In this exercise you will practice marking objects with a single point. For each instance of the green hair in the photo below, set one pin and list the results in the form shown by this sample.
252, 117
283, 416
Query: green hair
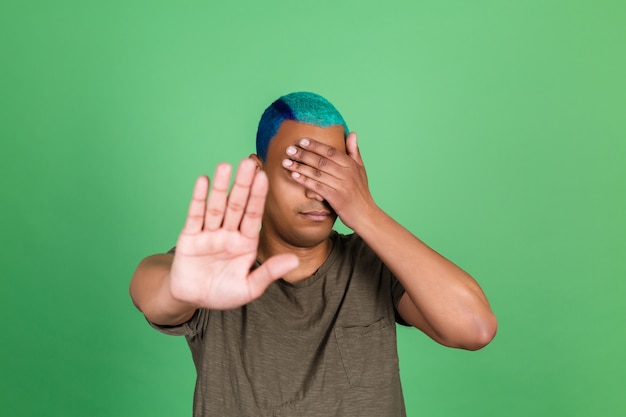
302, 107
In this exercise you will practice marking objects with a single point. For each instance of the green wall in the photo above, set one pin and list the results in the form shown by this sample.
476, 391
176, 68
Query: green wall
494, 130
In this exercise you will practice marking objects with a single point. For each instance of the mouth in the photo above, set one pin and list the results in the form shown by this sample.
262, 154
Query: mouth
317, 215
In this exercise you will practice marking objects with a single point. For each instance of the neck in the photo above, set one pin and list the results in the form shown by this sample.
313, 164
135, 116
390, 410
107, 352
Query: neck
311, 258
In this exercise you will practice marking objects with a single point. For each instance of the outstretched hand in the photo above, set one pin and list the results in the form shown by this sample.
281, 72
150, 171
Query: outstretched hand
217, 247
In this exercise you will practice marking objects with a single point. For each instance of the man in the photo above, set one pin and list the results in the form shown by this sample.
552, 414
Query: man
284, 316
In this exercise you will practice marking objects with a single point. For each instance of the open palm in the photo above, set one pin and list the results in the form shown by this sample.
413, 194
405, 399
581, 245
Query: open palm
217, 247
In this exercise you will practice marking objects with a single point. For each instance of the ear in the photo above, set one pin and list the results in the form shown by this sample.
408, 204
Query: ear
257, 159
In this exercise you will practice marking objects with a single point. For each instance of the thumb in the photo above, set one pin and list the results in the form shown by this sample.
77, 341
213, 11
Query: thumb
269, 271
353, 148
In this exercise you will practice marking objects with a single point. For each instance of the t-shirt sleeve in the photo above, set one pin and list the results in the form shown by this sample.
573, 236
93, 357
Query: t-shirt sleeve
192, 327
397, 291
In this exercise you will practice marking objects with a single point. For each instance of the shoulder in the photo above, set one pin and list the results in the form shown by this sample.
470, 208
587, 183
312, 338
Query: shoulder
347, 241
351, 251
353, 245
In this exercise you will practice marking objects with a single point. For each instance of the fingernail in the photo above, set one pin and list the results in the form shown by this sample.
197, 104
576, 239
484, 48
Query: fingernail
305, 142
287, 162
295, 174
291, 150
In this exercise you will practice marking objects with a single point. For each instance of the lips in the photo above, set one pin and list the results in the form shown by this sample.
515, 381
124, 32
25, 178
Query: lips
317, 215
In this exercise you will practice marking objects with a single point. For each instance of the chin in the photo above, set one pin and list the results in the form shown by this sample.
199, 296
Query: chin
308, 237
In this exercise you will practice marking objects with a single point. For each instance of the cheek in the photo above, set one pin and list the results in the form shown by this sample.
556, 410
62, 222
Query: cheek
282, 184
281, 194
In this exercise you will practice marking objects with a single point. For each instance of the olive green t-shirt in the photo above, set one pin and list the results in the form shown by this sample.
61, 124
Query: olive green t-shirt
322, 347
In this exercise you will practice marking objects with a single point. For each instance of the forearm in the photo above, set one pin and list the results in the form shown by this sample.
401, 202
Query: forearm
150, 292
446, 300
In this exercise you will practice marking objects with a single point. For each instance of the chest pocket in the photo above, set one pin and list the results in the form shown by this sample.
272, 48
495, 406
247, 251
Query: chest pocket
368, 354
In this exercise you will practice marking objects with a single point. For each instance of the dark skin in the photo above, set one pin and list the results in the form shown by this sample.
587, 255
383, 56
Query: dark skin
310, 176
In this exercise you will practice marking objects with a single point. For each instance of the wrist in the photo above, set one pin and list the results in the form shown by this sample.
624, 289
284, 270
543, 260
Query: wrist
367, 218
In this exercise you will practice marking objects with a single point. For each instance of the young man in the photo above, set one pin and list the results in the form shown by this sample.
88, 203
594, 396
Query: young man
284, 316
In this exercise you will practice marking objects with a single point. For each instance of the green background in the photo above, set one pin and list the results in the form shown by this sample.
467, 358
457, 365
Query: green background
494, 130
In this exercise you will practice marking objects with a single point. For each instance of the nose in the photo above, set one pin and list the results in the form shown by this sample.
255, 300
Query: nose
313, 195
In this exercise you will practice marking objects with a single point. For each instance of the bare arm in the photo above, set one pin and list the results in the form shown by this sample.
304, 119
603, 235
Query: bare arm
441, 299
150, 291
215, 252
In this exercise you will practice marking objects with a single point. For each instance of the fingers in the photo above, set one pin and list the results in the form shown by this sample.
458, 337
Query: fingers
352, 148
317, 155
216, 205
324, 160
320, 167
251, 222
238, 198
195, 215
314, 180
269, 271
310, 168
243, 207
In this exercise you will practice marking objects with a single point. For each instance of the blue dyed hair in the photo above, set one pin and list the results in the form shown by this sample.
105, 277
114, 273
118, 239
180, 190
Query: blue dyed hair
302, 107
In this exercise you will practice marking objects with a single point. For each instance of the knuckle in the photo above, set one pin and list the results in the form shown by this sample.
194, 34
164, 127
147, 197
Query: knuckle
331, 151
235, 206
254, 214
213, 211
